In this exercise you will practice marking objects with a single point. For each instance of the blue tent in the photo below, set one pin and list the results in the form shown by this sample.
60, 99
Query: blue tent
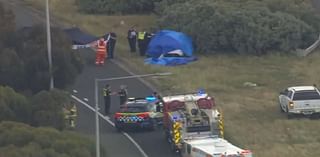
170, 48
165, 41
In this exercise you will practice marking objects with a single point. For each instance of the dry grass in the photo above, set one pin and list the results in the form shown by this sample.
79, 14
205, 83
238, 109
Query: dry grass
252, 115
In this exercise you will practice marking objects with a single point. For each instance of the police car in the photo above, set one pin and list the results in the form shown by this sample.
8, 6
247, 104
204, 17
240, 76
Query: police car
142, 113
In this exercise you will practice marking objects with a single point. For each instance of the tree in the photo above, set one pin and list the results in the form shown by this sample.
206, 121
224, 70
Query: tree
13, 106
17, 139
47, 108
7, 22
244, 26
32, 51
11, 69
117, 6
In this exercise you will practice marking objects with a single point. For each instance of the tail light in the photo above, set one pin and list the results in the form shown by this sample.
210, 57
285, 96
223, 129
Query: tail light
246, 153
143, 115
291, 105
117, 115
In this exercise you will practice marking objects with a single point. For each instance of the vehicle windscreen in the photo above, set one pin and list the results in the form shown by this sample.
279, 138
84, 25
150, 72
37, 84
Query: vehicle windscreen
134, 108
306, 95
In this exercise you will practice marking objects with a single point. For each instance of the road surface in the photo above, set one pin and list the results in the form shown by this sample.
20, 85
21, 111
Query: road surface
115, 144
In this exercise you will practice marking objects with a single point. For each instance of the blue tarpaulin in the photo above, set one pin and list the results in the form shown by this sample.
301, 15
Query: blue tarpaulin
78, 37
170, 48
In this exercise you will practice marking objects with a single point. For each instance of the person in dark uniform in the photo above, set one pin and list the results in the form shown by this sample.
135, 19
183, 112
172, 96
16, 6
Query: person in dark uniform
159, 101
112, 39
107, 98
123, 94
147, 39
132, 39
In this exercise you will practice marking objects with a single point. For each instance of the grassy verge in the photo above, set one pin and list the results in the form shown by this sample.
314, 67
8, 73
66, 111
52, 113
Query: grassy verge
252, 115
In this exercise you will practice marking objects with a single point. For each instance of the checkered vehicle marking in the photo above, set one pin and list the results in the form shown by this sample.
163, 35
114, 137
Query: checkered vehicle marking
130, 119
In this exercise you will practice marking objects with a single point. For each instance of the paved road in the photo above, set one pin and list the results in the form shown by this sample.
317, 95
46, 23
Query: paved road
116, 144
316, 5
153, 143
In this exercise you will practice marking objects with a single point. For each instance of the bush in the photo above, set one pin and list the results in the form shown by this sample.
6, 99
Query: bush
18, 140
13, 106
42, 109
47, 108
243, 27
116, 6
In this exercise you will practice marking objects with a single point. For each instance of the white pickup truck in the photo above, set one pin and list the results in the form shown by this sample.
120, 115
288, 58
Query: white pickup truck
300, 100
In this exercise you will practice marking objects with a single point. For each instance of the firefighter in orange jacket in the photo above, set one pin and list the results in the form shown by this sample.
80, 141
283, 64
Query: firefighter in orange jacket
101, 51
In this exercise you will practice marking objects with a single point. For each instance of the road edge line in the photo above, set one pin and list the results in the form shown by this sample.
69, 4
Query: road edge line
107, 118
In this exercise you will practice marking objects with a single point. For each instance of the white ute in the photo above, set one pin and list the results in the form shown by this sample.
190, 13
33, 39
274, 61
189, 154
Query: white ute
300, 100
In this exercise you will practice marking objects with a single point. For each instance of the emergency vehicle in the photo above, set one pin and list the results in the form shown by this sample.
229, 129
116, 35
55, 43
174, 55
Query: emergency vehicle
194, 127
138, 113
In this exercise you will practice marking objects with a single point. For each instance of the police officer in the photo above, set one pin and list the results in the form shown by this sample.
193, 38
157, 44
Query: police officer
132, 39
159, 101
112, 39
123, 94
107, 98
142, 42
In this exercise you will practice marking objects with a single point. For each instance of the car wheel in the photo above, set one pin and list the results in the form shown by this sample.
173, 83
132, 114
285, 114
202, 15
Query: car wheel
119, 129
290, 115
153, 125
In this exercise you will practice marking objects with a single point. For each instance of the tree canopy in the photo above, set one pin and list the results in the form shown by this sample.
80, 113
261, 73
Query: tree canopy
24, 62
245, 26
117, 6
41, 109
17, 140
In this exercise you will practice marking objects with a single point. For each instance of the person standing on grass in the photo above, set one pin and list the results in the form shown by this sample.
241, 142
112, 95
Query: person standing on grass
132, 39
142, 42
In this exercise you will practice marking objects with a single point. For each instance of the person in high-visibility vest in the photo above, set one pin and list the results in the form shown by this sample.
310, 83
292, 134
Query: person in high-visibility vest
142, 42
70, 114
101, 51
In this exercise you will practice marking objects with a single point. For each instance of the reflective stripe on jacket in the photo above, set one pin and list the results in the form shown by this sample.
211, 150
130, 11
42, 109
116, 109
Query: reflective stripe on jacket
101, 47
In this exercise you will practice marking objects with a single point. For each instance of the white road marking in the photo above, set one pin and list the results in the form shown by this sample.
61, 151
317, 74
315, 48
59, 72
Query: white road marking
107, 118
74, 91
86, 99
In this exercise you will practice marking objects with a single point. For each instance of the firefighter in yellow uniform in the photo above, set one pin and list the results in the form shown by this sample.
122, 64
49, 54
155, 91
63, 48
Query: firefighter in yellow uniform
70, 115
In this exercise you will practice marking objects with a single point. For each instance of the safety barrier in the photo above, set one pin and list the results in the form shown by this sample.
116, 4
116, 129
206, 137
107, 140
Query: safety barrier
221, 124
308, 50
177, 132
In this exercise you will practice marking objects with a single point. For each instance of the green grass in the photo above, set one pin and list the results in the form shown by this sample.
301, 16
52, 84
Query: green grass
252, 115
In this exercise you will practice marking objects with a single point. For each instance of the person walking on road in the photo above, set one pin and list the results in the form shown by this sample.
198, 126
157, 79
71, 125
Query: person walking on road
107, 98
132, 39
123, 94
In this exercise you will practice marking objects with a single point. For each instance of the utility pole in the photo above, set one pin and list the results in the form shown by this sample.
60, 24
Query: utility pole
49, 45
